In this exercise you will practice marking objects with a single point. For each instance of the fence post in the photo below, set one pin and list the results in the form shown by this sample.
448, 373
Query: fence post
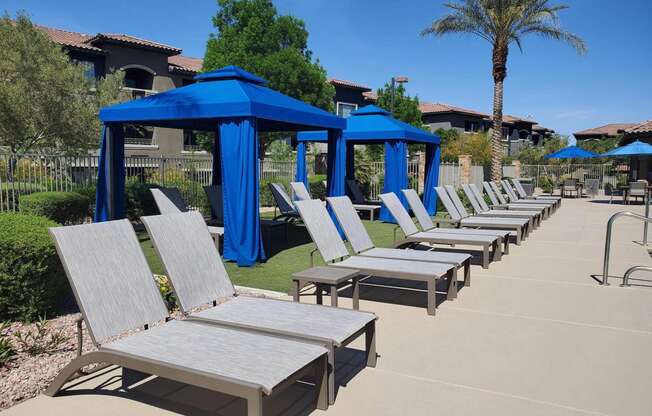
517, 168
464, 162
161, 169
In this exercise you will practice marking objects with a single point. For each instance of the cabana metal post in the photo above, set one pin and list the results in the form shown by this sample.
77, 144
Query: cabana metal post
373, 125
234, 104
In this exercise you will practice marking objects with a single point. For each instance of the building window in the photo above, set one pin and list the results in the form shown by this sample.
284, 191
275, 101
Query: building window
471, 126
345, 109
190, 141
506, 133
89, 70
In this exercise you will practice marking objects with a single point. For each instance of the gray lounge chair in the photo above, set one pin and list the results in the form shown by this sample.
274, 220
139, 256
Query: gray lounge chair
458, 213
302, 193
115, 291
637, 190
362, 245
332, 248
170, 201
359, 201
569, 187
514, 198
482, 209
501, 203
284, 203
490, 244
198, 278
523, 195
427, 224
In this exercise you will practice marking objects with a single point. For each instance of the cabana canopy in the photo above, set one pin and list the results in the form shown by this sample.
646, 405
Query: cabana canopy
374, 125
571, 152
234, 104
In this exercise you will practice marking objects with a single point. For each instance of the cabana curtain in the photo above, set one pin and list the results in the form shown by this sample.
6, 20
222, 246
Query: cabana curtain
395, 174
242, 239
109, 197
431, 179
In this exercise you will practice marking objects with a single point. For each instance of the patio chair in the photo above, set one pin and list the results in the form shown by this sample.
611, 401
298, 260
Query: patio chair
637, 190
362, 245
283, 203
115, 291
494, 203
170, 201
331, 248
199, 278
482, 209
514, 199
592, 187
359, 201
458, 213
429, 224
523, 195
489, 244
569, 186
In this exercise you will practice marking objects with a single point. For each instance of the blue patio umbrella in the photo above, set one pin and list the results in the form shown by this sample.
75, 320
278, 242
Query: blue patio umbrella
636, 148
571, 152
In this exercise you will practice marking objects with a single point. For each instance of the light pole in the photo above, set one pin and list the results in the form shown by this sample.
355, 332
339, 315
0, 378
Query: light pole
396, 80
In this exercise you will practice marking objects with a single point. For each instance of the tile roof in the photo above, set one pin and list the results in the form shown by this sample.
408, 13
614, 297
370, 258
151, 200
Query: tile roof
348, 84
132, 40
70, 39
607, 130
514, 119
435, 108
644, 127
370, 96
185, 64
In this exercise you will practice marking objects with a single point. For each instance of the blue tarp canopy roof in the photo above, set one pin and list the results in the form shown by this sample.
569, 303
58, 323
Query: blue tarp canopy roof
230, 92
633, 149
571, 152
373, 124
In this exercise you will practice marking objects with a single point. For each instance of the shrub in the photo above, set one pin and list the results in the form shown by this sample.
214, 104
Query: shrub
62, 207
32, 281
41, 339
266, 198
546, 184
7, 350
139, 200
317, 188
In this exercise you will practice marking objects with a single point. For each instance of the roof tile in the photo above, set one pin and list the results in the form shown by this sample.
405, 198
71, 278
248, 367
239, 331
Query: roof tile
607, 129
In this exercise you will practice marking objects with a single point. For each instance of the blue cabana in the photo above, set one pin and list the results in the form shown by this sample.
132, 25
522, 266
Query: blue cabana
234, 104
373, 125
571, 152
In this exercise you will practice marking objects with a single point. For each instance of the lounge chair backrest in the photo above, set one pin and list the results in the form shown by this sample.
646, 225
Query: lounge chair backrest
448, 203
498, 193
400, 214
519, 188
509, 191
283, 201
452, 194
479, 197
351, 223
471, 197
637, 188
356, 193
110, 277
214, 195
300, 191
592, 186
418, 209
168, 200
190, 258
322, 229
490, 192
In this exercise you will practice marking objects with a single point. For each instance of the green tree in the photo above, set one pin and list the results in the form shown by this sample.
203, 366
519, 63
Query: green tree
46, 102
280, 151
600, 145
534, 155
501, 23
477, 145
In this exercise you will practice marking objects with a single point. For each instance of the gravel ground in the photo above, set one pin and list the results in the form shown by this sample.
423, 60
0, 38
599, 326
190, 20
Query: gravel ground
26, 376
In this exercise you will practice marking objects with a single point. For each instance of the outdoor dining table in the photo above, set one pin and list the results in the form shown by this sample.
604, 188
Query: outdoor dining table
625, 189
579, 187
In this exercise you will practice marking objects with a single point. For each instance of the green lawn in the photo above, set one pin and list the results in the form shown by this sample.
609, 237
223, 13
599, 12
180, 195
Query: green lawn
287, 256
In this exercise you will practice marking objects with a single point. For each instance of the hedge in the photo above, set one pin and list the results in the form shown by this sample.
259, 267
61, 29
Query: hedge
139, 199
62, 207
32, 280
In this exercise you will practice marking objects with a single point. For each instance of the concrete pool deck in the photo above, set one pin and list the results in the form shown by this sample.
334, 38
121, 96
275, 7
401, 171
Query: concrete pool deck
535, 334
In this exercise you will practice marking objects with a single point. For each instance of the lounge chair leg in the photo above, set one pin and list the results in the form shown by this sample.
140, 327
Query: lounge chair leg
71, 369
321, 383
356, 293
432, 297
497, 250
506, 245
467, 273
370, 341
485, 257
330, 370
295, 290
519, 233
320, 298
451, 276
334, 295
255, 404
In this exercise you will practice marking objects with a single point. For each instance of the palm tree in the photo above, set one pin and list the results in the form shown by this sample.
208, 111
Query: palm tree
503, 22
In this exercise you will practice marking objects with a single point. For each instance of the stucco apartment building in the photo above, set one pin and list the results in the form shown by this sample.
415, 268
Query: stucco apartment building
150, 67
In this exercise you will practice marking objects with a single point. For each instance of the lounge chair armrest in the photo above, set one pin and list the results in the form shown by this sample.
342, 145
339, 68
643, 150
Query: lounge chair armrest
445, 221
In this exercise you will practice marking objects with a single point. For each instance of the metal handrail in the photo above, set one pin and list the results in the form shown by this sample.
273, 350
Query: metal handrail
607, 243
632, 270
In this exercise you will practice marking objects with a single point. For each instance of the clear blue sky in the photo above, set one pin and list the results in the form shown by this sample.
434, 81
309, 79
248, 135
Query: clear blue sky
368, 41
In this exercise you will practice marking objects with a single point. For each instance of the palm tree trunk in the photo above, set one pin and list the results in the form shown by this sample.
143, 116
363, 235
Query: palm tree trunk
497, 133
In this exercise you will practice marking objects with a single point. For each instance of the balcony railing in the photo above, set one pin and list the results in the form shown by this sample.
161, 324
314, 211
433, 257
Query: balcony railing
139, 141
133, 93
